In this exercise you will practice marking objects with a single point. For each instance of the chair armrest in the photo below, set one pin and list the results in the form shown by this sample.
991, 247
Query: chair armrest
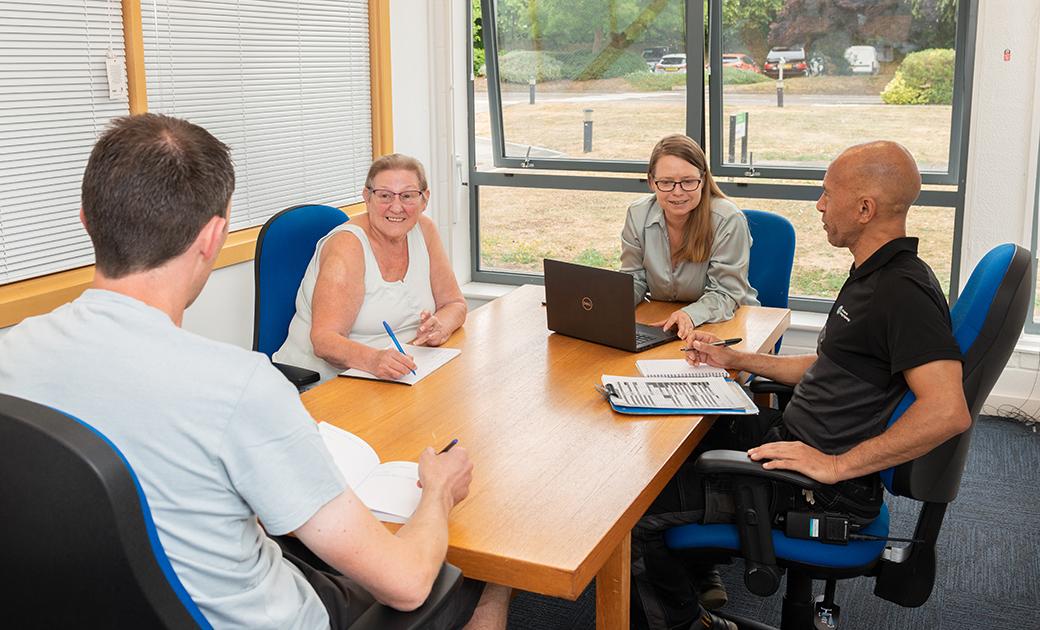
298, 376
738, 463
380, 617
763, 385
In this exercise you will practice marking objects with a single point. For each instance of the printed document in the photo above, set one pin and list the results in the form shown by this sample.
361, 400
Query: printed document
708, 394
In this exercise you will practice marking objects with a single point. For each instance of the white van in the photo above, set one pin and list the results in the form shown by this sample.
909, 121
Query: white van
862, 59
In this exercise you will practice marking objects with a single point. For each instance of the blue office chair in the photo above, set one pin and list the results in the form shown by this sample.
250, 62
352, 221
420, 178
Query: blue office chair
772, 257
987, 320
284, 248
80, 548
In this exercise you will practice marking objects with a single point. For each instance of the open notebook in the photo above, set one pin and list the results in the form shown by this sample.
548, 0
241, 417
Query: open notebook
427, 361
677, 368
388, 489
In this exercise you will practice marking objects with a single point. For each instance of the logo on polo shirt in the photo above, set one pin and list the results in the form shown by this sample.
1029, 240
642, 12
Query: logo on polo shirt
842, 313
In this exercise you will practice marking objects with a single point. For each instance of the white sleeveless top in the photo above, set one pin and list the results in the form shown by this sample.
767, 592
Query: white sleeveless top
398, 303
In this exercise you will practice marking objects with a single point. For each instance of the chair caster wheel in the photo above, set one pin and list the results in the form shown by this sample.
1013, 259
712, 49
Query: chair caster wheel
825, 614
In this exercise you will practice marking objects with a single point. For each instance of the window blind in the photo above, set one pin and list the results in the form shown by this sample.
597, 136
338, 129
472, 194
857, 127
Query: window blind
54, 102
284, 83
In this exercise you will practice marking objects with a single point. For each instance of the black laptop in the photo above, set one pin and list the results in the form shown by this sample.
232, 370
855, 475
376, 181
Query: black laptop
596, 305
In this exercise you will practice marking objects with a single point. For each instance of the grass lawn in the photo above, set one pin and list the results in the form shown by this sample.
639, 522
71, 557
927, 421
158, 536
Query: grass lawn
520, 227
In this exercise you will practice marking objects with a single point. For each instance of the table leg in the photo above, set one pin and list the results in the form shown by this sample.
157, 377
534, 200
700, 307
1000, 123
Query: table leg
613, 585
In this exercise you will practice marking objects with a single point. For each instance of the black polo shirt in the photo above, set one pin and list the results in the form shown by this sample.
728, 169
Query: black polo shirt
889, 316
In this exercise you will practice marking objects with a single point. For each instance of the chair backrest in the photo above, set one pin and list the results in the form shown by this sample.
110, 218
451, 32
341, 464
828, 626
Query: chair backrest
79, 546
284, 248
772, 256
987, 320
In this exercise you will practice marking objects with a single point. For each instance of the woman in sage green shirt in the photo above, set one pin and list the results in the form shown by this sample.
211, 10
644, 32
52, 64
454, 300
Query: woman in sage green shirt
687, 242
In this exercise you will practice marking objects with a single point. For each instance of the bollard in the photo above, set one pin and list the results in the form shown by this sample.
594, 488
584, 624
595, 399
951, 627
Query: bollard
587, 144
780, 83
732, 139
530, 85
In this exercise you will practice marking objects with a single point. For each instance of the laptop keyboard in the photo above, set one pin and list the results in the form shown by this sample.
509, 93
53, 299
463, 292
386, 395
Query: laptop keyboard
642, 338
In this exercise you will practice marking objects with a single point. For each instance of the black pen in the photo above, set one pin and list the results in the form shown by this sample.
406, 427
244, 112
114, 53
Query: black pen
448, 447
721, 342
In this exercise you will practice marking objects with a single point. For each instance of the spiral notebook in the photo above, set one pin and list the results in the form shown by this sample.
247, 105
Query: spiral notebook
677, 368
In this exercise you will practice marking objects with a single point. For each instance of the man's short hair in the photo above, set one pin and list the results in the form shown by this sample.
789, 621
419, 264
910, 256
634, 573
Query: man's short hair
150, 186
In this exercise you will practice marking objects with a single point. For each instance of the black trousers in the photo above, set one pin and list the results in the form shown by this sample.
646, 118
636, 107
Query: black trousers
663, 595
345, 600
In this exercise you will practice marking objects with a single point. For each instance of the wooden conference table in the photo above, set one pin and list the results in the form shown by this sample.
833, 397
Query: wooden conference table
559, 479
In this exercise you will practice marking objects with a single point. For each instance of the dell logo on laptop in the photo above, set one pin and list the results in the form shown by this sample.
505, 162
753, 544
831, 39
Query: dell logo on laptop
586, 303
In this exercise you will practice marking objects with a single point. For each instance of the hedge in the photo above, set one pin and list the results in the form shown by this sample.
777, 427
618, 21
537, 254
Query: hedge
924, 77
518, 66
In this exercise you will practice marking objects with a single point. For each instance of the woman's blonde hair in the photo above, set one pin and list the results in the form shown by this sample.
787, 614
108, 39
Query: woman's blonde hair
697, 233
397, 162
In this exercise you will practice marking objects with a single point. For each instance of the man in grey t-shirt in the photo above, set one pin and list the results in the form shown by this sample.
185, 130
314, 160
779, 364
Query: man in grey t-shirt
219, 440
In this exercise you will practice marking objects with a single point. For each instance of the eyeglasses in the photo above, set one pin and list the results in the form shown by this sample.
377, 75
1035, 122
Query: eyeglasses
407, 197
668, 185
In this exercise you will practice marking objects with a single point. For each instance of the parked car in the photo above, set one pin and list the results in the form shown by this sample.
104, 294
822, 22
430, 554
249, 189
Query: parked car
652, 55
671, 63
862, 59
739, 61
794, 61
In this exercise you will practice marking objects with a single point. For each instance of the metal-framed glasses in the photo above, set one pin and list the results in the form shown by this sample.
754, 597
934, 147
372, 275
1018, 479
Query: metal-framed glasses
668, 185
407, 197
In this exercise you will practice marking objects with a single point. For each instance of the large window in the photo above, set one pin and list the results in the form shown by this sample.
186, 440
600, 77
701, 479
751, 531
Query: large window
564, 117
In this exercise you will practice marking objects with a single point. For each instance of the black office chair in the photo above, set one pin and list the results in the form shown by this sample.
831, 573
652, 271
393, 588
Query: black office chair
987, 320
80, 549
284, 248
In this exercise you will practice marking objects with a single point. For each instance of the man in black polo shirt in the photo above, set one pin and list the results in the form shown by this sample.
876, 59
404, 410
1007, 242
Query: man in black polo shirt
888, 330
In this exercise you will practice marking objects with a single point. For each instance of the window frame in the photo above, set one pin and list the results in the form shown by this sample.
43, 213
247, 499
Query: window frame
694, 85
510, 172
962, 81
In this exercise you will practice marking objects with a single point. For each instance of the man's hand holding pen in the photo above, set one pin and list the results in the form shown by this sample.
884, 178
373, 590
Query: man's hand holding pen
704, 347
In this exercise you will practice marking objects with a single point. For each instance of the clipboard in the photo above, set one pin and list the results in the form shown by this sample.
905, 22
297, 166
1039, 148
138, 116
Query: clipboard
737, 400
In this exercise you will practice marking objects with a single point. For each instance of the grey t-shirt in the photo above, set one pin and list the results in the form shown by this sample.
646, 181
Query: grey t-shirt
217, 437
716, 286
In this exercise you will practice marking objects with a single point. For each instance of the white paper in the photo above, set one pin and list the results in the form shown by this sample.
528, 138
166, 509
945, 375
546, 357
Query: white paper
711, 393
354, 456
427, 361
677, 368
389, 490
392, 489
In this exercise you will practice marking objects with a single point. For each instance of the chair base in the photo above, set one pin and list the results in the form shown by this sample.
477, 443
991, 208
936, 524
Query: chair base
801, 609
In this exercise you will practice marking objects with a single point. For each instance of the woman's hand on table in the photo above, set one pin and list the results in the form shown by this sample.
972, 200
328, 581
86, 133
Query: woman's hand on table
390, 364
681, 321
432, 331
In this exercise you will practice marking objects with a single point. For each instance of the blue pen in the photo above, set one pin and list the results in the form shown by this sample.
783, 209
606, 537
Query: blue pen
393, 338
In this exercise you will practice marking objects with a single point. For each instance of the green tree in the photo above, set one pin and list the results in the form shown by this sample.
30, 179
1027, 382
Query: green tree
746, 25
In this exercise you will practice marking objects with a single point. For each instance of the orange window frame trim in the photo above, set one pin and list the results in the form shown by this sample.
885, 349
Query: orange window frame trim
43, 294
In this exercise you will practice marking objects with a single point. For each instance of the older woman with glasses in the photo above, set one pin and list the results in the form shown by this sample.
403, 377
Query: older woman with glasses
386, 265
687, 242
